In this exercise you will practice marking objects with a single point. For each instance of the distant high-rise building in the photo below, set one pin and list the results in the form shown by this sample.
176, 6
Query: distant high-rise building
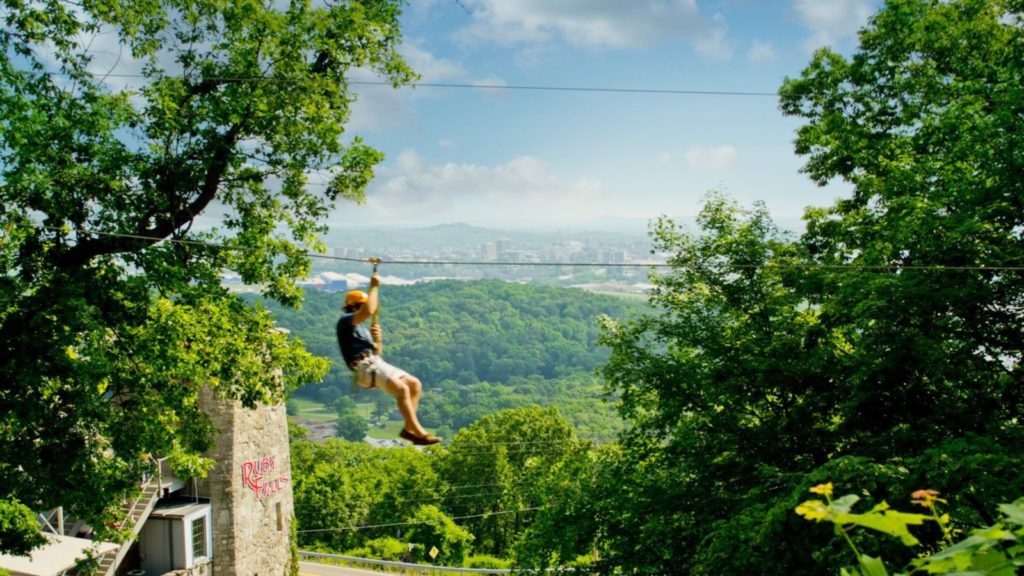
488, 252
334, 282
503, 246
615, 257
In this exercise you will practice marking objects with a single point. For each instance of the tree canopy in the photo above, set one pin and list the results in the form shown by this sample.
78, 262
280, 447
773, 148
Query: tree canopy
880, 350
112, 315
492, 477
479, 347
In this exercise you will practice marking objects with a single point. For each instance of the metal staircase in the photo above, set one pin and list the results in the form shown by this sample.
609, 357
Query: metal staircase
136, 514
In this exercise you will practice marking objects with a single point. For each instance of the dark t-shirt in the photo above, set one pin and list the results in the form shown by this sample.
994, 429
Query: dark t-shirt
353, 340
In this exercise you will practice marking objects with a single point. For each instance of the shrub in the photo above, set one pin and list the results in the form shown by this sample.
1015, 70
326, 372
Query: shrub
489, 562
994, 550
386, 548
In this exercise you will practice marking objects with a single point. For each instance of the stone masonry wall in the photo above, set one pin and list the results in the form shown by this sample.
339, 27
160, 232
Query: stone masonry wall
249, 488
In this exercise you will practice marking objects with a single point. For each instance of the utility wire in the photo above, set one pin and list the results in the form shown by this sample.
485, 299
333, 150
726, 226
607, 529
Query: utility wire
459, 85
535, 451
369, 526
454, 490
550, 88
444, 497
460, 487
765, 266
560, 441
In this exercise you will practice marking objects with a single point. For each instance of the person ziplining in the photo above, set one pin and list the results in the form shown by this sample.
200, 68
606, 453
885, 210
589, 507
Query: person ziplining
362, 349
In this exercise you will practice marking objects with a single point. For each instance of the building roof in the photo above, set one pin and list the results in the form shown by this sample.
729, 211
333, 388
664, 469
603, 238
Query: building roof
58, 555
179, 509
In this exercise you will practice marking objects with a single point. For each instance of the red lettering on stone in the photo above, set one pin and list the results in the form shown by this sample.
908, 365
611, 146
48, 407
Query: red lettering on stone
253, 472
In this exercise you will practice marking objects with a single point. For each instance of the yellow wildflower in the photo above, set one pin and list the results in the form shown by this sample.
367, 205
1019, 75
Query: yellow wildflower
823, 489
813, 510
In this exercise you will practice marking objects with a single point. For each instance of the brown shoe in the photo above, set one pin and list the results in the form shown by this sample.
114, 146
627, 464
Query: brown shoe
417, 439
427, 440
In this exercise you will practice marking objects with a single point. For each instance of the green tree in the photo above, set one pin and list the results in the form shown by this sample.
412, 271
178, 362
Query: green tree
111, 311
583, 494
433, 528
881, 349
351, 425
554, 332
503, 461
924, 122
722, 391
19, 530
296, 431
339, 485
478, 331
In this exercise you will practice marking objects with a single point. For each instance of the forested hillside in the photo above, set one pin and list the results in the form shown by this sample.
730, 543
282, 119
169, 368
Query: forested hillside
478, 347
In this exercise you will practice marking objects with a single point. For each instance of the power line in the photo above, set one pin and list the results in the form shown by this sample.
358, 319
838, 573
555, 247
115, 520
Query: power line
444, 497
457, 85
536, 451
454, 490
460, 487
557, 441
369, 526
731, 266
550, 88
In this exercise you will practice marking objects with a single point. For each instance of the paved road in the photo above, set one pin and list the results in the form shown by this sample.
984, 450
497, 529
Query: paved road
314, 569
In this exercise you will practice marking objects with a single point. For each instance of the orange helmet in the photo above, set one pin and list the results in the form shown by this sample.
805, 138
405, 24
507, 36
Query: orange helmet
355, 297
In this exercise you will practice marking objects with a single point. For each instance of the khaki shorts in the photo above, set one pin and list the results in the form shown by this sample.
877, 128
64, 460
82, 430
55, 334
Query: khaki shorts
374, 372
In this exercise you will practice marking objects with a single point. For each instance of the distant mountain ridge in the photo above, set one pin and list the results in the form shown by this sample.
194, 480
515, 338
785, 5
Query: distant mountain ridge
466, 236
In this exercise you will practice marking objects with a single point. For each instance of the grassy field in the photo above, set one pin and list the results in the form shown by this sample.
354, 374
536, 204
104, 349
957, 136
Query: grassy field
317, 412
388, 432
312, 410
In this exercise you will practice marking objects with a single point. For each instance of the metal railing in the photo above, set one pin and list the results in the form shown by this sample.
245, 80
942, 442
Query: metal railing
147, 480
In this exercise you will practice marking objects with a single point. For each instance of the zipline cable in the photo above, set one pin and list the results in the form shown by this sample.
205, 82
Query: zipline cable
375, 261
452, 85
766, 266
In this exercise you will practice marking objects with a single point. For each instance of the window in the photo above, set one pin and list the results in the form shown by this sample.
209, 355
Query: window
198, 538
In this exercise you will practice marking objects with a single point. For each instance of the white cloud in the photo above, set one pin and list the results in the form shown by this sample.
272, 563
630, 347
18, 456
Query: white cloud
761, 52
664, 158
714, 159
714, 42
445, 143
380, 107
832, 21
430, 67
521, 190
595, 23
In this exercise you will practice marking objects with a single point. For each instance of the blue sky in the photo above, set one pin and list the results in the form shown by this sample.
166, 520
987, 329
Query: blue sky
509, 158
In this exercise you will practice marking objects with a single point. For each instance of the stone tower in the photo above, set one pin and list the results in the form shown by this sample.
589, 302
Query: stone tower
249, 488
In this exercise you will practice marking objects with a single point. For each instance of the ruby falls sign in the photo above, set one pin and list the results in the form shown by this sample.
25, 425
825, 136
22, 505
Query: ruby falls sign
259, 476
